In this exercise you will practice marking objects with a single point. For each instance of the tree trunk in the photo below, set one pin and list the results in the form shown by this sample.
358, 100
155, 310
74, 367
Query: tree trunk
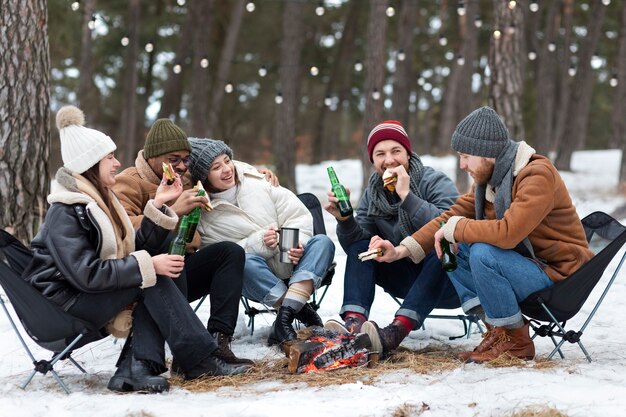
128, 120
546, 84
24, 116
505, 64
374, 77
403, 78
618, 115
200, 76
576, 128
223, 69
287, 111
87, 91
171, 102
326, 141
564, 82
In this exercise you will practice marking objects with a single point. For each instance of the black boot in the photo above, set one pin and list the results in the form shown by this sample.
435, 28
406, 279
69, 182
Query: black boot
282, 330
223, 350
214, 366
308, 316
136, 375
387, 339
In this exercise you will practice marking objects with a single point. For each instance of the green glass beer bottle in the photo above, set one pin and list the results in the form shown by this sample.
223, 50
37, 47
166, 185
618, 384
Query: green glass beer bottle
345, 208
177, 247
448, 259
193, 218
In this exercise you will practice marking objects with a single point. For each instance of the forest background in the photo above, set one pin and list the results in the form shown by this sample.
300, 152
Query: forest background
303, 81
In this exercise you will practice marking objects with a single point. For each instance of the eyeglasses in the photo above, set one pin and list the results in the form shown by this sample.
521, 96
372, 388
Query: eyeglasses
177, 160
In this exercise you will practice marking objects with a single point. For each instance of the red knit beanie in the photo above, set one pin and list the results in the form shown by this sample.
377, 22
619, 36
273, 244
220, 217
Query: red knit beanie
388, 130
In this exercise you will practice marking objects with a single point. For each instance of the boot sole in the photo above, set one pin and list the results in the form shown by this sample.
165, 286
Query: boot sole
335, 326
126, 385
371, 330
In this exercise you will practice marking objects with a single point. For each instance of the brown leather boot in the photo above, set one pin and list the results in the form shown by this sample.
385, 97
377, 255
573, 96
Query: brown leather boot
514, 342
224, 353
489, 337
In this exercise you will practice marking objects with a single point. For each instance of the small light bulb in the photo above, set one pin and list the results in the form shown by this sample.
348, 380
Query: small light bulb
532, 55
460, 59
613, 81
572, 70
606, 3
512, 4
314, 71
250, 6
263, 71
92, 23
376, 94
390, 12
125, 41
460, 8
177, 68
180, 2
204, 63
401, 55
552, 47
328, 101
149, 47
533, 6
279, 98
229, 87
75, 5
319, 10
443, 41
478, 21
358, 66
497, 34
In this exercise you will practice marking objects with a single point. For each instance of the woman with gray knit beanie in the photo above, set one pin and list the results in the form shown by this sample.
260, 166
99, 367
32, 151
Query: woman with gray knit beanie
249, 211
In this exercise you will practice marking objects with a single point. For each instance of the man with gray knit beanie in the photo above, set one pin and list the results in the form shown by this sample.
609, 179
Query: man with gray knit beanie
516, 231
216, 270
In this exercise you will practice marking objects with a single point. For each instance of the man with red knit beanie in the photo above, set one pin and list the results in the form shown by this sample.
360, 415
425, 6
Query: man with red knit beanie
417, 195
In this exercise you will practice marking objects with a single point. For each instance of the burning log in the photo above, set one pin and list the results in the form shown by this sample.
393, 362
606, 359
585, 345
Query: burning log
326, 350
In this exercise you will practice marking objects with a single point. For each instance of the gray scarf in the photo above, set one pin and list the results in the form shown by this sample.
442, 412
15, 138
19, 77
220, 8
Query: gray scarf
386, 203
502, 182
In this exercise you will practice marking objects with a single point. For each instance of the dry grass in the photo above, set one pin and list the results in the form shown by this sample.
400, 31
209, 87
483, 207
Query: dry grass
431, 360
537, 411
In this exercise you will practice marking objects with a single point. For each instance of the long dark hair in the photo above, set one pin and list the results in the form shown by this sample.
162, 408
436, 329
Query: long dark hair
93, 175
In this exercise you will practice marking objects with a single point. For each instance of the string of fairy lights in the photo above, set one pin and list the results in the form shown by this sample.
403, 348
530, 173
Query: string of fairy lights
358, 66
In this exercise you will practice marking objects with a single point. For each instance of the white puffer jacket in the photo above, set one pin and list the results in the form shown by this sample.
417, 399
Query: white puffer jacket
261, 206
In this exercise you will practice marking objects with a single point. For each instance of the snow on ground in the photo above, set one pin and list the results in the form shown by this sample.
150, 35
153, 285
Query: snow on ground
574, 386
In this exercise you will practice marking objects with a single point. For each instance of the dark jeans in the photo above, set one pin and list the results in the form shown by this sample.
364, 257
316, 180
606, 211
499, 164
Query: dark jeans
423, 286
216, 270
162, 315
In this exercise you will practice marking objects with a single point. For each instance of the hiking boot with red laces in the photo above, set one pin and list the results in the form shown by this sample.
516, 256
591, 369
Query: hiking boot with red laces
514, 342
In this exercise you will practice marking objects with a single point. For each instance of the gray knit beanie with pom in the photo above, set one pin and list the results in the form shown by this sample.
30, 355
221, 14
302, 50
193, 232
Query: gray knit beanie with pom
481, 133
203, 153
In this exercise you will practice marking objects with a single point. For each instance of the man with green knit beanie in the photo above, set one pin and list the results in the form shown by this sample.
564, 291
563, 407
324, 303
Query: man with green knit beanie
216, 269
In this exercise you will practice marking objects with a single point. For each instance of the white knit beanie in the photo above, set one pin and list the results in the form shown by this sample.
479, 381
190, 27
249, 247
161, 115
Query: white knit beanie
81, 147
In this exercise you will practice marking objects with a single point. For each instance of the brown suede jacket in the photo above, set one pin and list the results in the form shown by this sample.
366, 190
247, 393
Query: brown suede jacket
136, 185
541, 209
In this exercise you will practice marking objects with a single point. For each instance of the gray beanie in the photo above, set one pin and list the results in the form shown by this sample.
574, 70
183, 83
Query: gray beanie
203, 153
481, 133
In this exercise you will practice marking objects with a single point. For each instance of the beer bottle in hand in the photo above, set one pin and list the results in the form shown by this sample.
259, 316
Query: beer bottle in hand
345, 208
193, 217
177, 247
448, 259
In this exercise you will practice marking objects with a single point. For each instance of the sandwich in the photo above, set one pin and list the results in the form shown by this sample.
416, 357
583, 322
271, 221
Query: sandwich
207, 206
168, 171
370, 254
389, 180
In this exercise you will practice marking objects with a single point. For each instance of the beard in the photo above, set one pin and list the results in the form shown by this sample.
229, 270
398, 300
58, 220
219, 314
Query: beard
483, 173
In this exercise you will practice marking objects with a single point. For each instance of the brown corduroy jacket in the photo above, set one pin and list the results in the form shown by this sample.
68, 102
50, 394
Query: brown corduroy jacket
541, 209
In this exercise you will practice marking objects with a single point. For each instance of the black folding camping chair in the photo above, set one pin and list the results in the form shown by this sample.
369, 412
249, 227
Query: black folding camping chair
43, 320
561, 302
315, 207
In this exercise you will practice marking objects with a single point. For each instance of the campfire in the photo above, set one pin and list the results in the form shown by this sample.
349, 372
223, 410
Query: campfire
318, 349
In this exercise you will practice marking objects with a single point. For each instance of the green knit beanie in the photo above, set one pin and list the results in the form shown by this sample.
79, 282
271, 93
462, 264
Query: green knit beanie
163, 137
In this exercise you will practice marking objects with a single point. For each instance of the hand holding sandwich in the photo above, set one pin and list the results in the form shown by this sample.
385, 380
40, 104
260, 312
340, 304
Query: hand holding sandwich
390, 253
398, 180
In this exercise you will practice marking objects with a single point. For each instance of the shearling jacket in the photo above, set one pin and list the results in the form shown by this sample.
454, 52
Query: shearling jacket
259, 207
438, 194
541, 209
76, 251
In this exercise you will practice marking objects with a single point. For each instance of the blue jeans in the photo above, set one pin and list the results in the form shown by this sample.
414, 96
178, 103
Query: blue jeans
423, 286
498, 279
261, 284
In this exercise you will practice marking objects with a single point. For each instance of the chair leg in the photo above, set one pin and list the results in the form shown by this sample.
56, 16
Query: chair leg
80, 368
195, 309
